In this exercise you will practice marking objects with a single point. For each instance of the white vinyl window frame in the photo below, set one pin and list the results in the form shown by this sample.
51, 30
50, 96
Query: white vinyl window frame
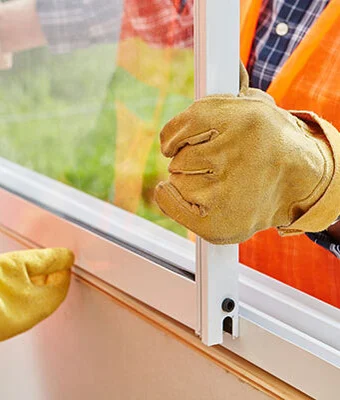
286, 332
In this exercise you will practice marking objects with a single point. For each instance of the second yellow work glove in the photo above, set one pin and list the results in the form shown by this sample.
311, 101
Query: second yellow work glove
241, 165
33, 284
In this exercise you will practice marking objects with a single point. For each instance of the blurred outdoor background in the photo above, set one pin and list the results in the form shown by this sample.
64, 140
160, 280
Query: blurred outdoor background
59, 116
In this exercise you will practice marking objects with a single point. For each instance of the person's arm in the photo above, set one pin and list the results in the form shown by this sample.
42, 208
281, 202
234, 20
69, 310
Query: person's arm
20, 28
63, 25
334, 231
71, 25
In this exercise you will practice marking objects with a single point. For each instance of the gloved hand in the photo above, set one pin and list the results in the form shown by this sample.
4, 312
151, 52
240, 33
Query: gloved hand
33, 284
241, 164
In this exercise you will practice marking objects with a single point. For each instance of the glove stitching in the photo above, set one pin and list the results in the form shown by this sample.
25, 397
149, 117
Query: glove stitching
192, 208
186, 141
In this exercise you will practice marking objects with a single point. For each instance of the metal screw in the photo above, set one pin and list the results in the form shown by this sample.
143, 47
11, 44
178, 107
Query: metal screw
228, 305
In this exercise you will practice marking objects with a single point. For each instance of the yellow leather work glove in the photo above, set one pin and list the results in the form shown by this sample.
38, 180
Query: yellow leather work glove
240, 164
33, 284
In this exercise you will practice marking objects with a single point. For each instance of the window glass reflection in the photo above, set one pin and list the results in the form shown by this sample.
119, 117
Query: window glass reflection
86, 87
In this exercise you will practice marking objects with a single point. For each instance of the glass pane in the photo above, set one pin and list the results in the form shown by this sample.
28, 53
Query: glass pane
296, 261
92, 84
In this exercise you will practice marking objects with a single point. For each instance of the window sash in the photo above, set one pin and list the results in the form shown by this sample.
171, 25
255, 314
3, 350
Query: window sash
272, 315
263, 299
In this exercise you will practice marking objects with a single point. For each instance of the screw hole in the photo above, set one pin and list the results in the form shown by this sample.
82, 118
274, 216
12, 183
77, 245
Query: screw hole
228, 305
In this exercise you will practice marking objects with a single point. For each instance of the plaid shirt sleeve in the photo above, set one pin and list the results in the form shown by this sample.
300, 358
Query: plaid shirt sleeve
74, 24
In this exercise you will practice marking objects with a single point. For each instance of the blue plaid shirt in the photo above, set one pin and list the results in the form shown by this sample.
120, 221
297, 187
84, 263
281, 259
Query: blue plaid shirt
272, 45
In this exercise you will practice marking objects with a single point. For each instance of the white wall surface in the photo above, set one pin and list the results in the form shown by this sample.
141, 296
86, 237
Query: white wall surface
93, 348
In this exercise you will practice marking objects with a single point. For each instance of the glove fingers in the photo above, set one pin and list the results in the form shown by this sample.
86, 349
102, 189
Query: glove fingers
258, 94
244, 79
43, 302
33, 285
251, 92
203, 122
52, 279
44, 261
191, 127
47, 296
23, 307
52, 294
172, 203
192, 161
171, 143
194, 189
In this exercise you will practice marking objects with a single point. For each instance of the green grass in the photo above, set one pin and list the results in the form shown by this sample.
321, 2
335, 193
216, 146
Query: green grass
57, 118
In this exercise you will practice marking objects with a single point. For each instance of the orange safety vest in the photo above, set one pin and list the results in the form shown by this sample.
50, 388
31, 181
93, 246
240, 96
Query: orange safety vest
309, 80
